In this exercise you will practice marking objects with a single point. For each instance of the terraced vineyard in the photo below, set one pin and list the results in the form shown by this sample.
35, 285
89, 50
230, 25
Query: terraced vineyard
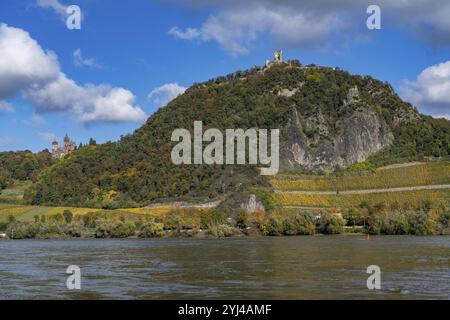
414, 198
431, 173
352, 190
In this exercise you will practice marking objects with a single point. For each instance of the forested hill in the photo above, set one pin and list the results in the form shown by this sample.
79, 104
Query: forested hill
335, 119
22, 165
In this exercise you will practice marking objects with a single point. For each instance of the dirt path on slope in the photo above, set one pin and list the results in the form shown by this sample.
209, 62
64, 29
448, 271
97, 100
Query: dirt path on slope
400, 165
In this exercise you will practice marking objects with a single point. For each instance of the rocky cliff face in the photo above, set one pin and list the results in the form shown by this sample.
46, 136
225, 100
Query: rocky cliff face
313, 144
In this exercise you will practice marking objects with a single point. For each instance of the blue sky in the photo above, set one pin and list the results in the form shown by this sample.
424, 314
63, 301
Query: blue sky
126, 51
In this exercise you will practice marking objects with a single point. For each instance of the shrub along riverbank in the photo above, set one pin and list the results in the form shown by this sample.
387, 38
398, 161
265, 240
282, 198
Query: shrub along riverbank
378, 219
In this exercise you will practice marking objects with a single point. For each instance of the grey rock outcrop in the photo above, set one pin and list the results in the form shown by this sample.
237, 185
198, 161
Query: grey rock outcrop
352, 96
312, 144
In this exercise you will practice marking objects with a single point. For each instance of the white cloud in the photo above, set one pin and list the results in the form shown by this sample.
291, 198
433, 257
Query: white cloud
47, 136
236, 30
88, 103
61, 94
26, 67
55, 5
188, 34
6, 107
80, 61
235, 24
23, 62
114, 105
431, 90
162, 95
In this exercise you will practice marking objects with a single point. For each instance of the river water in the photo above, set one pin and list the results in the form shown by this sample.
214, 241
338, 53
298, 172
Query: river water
308, 267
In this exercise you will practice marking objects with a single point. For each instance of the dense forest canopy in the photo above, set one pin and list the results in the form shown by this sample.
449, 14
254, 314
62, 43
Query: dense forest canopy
22, 165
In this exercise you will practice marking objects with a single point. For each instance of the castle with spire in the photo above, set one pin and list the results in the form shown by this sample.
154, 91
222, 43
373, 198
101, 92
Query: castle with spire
68, 147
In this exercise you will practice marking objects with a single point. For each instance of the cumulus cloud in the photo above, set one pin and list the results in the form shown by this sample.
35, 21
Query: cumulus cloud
80, 61
26, 67
6, 107
113, 105
431, 90
236, 30
235, 25
162, 95
23, 62
88, 103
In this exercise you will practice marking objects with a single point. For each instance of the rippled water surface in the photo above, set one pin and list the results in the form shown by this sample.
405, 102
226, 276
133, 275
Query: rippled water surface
319, 267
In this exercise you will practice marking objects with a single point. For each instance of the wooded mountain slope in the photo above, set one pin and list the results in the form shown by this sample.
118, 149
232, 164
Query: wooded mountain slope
327, 119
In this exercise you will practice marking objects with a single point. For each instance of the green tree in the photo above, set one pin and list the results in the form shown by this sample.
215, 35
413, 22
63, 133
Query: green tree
68, 216
3, 182
242, 219
151, 230
421, 223
11, 219
92, 142
331, 223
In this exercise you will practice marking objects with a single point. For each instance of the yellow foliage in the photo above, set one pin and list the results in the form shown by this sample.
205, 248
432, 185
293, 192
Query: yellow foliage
6, 211
417, 175
350, 200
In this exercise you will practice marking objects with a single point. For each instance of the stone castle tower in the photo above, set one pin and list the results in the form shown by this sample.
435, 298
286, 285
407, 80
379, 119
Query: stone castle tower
278, 56
54, 146
68, 147
277, 59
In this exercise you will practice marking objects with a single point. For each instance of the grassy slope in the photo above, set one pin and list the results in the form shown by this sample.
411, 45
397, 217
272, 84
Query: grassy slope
27, 213
15, 193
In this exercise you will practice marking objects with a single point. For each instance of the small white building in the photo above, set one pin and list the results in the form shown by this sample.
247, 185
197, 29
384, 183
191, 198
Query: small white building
3, 235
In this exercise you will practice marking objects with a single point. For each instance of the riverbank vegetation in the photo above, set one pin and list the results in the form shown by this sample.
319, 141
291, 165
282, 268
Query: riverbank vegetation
425, 219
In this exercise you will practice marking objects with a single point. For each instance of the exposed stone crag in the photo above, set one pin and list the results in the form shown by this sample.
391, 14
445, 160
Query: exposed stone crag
312, 144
